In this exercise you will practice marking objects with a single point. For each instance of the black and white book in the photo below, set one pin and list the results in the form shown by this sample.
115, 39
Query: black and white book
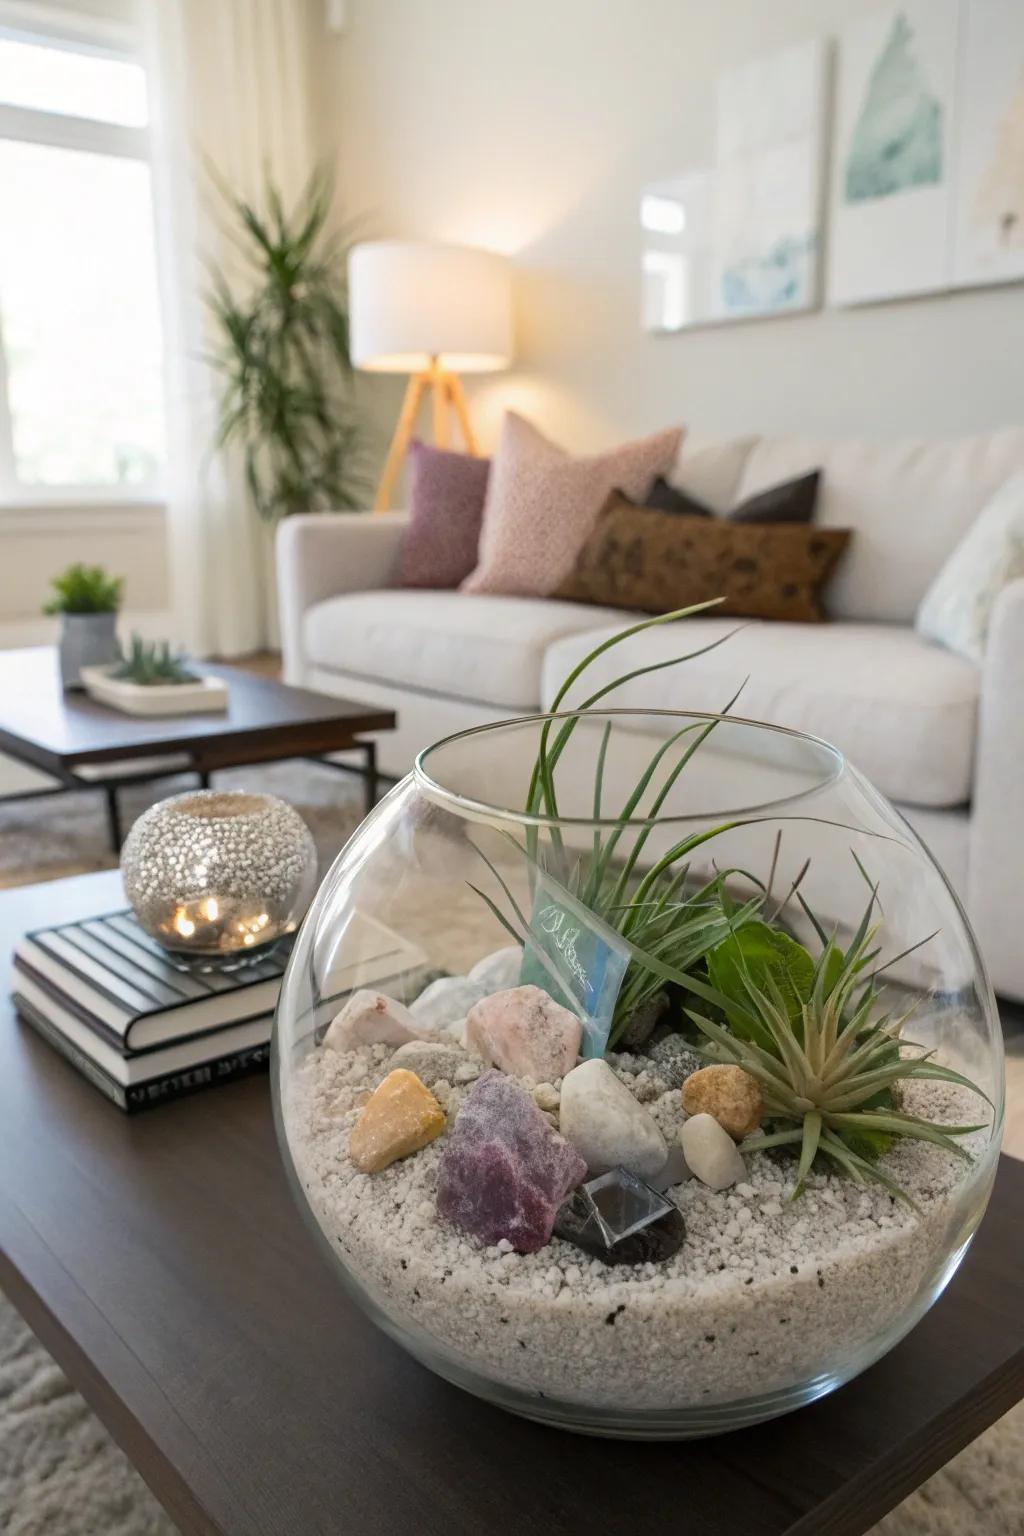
125, 1074
106, 996
171, 1081
121, 984
118, 982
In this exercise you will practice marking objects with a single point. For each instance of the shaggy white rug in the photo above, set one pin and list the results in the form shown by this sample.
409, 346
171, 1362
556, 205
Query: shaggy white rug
62, 1475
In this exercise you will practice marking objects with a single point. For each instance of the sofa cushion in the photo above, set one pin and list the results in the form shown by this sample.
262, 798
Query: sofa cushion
542, 502
902, 711
488, 649
909, 503
659, 562
711, 470
446, 509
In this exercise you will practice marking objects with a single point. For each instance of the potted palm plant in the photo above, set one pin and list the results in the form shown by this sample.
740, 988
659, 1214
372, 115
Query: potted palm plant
283, 359
87, 598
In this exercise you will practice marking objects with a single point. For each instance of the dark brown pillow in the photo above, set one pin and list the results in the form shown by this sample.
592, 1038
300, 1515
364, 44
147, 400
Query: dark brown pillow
654, 561
792, 501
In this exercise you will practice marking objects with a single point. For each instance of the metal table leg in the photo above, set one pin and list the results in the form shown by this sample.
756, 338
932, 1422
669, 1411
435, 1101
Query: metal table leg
370, 776
113, 816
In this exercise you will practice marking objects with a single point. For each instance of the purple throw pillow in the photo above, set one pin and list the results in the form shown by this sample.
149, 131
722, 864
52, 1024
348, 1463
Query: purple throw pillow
446, 505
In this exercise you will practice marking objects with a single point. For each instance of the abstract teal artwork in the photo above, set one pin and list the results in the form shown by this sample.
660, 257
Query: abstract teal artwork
897, 141
781, 278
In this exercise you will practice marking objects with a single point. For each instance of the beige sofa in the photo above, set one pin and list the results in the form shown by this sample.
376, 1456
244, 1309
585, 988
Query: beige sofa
942, 737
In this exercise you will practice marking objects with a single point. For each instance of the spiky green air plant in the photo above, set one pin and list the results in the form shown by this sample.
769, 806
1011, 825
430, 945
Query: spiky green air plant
828, 1062
152, 665
666, 924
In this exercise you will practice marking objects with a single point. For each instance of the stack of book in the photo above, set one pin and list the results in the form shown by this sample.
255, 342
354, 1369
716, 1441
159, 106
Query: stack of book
109, 999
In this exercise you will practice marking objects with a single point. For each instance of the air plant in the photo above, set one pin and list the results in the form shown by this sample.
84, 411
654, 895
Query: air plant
666, 924
828, 1057
152, 665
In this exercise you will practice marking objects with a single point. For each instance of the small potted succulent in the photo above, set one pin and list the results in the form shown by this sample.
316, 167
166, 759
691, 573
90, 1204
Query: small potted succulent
87, 599
151, 679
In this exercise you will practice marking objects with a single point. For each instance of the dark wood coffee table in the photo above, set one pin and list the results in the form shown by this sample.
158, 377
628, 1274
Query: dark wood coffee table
85, 745
162, 1261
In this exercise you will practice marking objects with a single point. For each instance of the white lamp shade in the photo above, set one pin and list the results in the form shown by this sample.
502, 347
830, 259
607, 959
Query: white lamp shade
412, 303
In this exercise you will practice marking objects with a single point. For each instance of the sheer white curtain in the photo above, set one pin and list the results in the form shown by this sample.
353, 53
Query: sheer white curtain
230, 89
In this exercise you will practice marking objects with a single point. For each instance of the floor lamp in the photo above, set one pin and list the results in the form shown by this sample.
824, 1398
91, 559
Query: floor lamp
433, 312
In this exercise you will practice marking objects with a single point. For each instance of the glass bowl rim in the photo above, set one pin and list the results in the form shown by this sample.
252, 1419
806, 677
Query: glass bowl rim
463, 803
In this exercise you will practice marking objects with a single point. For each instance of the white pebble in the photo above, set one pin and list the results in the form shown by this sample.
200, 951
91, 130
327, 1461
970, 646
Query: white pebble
711, 1153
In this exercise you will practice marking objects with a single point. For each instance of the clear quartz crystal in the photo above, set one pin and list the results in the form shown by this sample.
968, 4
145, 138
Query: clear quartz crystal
621, 1204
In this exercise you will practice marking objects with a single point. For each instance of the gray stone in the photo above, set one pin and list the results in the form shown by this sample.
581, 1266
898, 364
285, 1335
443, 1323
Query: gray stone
430, 1060
605, 1123
711, 1152
444, 1001
497, 972
642, 1020
675, 1170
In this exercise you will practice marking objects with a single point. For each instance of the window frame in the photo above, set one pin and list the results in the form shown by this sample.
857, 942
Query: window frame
71, 32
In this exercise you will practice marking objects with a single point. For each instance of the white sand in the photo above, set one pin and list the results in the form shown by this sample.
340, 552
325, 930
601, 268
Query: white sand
765, 1292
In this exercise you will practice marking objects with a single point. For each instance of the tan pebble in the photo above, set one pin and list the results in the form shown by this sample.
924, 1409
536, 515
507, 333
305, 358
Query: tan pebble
400, 1118
545, 1096
727, 1093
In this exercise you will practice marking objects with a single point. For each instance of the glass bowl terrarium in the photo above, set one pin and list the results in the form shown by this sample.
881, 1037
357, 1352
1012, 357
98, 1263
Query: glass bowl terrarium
639, 1070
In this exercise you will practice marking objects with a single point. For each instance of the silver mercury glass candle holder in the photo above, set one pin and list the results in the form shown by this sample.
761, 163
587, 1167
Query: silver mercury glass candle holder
219, 876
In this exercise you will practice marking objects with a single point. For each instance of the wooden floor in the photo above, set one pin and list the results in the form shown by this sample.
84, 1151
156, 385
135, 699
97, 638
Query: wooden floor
265, 663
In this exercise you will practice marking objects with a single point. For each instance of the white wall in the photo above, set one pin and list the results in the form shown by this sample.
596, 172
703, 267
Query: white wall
38, 542
530, 126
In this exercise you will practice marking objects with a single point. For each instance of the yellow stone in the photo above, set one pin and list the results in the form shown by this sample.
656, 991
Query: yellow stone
728, 1093
400, 1118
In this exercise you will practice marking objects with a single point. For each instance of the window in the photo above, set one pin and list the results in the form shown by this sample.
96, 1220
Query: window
81, 409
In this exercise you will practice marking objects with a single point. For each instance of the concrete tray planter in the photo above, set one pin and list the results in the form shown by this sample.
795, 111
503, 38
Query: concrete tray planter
209, 693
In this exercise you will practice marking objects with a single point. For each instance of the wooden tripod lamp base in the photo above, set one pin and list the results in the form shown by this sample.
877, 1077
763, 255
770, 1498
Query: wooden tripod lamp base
431, 311
447, 396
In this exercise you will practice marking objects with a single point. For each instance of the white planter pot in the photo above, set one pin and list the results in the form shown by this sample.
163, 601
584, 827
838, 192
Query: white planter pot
86, 640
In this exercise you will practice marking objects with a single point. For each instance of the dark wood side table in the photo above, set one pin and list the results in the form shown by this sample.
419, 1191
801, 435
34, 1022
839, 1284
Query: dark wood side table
85, 745
162, 1261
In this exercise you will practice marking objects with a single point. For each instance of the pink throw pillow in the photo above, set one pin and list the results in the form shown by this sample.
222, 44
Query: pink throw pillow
446, 504
542, 505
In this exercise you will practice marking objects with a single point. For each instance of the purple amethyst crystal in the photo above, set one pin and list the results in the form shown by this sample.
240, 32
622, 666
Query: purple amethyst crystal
504, 1172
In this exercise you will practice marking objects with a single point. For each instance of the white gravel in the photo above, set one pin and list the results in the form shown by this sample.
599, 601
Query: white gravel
765, 1292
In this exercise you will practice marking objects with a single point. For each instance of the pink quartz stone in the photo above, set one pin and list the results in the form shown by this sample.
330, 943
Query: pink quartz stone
525, 1032
371, 1018
504, 1172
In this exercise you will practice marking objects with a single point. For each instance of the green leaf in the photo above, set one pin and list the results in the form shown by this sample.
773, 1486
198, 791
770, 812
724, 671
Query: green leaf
748, 958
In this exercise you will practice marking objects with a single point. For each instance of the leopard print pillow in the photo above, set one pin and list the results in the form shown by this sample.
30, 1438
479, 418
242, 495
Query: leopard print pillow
653, 561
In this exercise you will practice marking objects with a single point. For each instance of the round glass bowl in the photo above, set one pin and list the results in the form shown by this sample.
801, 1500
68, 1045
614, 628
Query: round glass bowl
770, 1301
217, 876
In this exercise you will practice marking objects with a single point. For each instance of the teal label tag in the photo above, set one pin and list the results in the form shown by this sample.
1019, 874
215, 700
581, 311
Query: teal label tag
576, 958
